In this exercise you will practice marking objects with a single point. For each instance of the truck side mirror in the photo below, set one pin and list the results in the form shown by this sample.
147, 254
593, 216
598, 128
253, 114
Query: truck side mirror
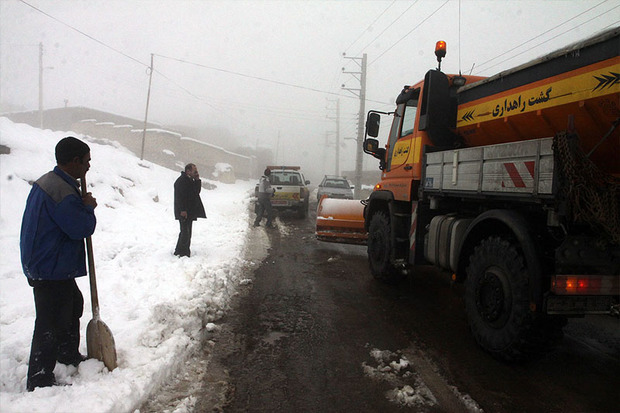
371, 145
372, 124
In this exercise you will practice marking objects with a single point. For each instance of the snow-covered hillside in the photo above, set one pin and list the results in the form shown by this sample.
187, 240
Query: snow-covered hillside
154, 302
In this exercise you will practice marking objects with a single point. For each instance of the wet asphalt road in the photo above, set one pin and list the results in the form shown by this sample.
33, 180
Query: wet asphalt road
299, 339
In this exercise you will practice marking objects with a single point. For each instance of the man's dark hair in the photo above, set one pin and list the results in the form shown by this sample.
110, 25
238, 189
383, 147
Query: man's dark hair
189, 167
267, 172
68, 148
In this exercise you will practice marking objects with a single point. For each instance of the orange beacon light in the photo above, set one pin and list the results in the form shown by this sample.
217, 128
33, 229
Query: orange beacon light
440, 52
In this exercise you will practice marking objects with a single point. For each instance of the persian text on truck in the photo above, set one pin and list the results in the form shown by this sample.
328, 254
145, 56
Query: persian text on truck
511, 183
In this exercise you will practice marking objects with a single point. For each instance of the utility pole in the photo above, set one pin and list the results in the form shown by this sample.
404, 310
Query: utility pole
361, 61
325, 150
40, 85
146, 114
41, 68
337, 119
338, 137
278, 147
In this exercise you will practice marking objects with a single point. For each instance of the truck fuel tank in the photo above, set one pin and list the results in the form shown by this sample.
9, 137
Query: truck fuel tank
444, 237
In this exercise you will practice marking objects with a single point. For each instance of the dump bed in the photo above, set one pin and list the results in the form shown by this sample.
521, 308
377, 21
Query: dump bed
511, 169
576, 86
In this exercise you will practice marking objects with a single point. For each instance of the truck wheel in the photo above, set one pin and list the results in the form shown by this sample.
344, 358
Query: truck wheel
497, 304
379, 247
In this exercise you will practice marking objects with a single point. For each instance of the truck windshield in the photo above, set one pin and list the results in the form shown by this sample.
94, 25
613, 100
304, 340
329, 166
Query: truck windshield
407, 111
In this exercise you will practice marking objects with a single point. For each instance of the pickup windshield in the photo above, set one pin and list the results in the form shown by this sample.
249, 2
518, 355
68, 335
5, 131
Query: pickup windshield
285, 178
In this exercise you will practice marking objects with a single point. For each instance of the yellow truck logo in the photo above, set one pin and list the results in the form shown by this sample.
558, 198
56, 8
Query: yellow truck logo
567, 89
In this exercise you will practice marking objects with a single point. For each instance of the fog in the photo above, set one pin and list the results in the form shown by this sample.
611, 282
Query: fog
267, 74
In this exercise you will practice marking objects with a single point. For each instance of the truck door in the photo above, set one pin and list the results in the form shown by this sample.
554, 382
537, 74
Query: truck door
400, 149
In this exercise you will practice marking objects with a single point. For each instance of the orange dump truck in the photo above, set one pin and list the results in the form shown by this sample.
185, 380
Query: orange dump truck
509, 183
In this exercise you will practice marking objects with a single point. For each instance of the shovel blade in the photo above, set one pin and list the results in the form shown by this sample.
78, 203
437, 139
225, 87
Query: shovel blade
100, 343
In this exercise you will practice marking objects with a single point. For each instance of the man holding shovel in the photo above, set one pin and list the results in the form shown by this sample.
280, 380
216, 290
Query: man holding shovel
56, 221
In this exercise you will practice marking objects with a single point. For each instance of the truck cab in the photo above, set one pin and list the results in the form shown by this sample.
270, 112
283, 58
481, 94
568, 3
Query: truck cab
424, 117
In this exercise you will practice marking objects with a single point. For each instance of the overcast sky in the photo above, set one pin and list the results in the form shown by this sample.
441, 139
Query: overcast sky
264, 69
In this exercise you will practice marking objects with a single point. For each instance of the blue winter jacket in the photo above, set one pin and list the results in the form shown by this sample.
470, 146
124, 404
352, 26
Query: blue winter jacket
56, 222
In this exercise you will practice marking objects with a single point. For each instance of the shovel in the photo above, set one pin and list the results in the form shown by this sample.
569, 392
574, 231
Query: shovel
99, 339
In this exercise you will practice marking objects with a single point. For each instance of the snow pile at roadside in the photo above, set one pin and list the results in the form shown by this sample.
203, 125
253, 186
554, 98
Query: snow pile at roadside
396, 370
406, 377
155, 304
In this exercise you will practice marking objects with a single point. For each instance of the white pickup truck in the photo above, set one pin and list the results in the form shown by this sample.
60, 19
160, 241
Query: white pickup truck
291, 189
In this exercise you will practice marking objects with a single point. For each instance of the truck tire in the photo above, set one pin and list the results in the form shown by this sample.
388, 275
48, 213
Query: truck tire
379, 247
497, 304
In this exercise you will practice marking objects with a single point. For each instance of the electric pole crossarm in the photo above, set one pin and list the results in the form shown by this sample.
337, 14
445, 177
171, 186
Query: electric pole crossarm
353, 91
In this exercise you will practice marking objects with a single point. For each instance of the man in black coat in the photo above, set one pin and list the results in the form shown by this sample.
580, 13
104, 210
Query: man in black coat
187, 206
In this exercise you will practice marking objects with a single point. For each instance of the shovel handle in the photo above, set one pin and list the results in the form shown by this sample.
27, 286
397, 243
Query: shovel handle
91, 264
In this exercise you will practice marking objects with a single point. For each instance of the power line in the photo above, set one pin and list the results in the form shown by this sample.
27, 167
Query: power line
85, 34
541, 34
258, 78
411, 31
111, 48
459, 50
224, 106
370, 25
249, 76
361, 34
182, 88
556, 36
390, 25
180, 60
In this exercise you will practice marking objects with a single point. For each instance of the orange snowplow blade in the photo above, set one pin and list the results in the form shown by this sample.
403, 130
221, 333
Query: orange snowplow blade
340, 220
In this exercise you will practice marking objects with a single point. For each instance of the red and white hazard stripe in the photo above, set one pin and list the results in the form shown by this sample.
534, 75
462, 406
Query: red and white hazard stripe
413, 228
521, 174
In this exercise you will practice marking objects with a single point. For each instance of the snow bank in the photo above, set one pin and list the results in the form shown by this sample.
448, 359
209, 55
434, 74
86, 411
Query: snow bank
156, 304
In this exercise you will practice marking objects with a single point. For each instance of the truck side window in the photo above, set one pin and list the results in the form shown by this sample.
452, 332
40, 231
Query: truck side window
410, 99
409, 118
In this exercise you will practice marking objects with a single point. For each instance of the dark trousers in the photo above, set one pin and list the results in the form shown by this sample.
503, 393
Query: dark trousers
185, 238
264, 205
59, 306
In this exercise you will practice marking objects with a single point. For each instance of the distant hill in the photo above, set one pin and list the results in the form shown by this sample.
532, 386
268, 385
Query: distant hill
163, 146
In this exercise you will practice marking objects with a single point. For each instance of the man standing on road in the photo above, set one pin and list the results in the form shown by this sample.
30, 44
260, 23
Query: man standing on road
265, 192
56, 221
187, 206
